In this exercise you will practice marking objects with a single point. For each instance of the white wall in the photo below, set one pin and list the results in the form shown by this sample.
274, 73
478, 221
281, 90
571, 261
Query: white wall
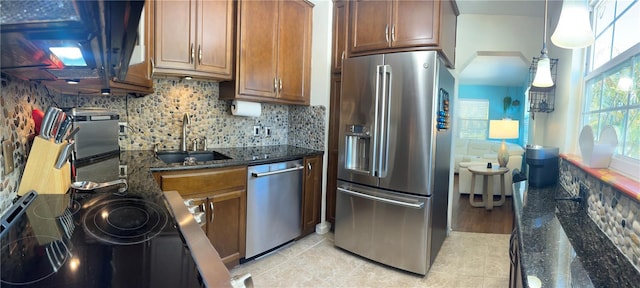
321, 74
560, 128
477, 32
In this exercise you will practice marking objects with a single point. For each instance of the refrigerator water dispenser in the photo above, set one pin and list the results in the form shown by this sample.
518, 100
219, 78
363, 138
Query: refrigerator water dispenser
357, 148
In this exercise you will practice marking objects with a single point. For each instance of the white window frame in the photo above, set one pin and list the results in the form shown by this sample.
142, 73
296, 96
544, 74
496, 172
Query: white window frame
462, 115
620, 163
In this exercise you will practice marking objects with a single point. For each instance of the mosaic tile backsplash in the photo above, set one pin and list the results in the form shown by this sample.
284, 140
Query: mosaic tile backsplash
157, 118
617, 215
17, 100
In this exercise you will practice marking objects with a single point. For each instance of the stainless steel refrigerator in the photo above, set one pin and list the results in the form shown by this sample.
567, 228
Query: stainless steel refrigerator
395, 149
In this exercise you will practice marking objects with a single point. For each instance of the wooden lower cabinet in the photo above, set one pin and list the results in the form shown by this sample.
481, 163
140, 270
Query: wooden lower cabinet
311, 194
332, 165
222, 193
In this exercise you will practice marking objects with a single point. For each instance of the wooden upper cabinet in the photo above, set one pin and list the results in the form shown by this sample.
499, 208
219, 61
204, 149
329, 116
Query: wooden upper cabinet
340, 17
194, 38
138, 79
413, 23
257, 50
273, 53
395, 25
294, 51
369, 25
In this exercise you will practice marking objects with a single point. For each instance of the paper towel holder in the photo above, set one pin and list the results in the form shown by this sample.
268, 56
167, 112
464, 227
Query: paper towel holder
246, 108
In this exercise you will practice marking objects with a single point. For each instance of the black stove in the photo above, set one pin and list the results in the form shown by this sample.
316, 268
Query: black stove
105, 239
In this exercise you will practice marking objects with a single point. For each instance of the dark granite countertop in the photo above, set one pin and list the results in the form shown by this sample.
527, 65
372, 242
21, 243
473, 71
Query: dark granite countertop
141, 163
560, 245
239, 156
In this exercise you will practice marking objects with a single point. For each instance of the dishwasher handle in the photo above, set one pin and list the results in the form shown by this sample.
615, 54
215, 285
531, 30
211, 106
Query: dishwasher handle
254, 174
384, 200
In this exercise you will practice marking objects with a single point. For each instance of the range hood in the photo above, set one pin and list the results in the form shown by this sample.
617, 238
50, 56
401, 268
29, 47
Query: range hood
104, 32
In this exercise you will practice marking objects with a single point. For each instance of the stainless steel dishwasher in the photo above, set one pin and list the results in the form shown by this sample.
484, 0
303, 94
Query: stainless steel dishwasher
274, 196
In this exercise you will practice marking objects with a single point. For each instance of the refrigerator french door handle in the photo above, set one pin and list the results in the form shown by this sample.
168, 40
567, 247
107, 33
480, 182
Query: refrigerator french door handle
383, 145
384, 200
376, 123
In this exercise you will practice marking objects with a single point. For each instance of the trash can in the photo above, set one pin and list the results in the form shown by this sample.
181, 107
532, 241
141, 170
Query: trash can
543, 164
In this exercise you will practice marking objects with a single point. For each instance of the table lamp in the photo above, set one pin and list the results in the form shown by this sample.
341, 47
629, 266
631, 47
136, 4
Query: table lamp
503, 129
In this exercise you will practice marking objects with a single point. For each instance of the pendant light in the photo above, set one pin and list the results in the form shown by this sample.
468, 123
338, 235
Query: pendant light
543, 71
574, 29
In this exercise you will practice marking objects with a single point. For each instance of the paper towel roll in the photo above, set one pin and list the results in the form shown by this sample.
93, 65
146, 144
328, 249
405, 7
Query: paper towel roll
244, 108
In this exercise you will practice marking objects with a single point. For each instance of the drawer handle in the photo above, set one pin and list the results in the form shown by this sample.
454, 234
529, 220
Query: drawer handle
277, 171
384, 200
193, 54
386, 33
211, 207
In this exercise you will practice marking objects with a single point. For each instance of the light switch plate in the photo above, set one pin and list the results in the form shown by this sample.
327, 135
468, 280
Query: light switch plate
7, 154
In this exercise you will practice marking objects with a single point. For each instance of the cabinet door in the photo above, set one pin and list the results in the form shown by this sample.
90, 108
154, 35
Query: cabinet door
312, 194
339, 35
226, 227
414, 23
139, 74
175, 34
257, 53
332, 165
215, 37
294, 51
369, 25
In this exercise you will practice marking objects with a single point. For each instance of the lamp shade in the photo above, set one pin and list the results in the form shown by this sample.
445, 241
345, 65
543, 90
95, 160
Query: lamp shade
574, 29
504, 129
543, 73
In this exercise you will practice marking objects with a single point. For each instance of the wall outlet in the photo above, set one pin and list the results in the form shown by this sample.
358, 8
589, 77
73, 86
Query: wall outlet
7, 154
267, 131
256, 130
123, 171
123, 126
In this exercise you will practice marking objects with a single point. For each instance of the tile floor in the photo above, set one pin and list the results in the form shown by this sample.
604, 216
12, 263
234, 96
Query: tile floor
465, 260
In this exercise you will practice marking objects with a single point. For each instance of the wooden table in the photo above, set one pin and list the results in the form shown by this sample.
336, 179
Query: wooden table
487, 194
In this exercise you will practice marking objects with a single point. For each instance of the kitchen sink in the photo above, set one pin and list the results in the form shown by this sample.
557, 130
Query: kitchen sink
180, 156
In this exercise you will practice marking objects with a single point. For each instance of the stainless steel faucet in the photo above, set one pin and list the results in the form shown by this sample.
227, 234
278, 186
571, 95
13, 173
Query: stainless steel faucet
185, 121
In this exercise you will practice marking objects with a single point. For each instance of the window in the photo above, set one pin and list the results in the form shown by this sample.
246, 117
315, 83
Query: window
612, 83
474, 119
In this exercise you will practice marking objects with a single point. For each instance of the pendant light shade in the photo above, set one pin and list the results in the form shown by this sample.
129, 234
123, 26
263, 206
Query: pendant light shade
543, 70
574, 29
543, 73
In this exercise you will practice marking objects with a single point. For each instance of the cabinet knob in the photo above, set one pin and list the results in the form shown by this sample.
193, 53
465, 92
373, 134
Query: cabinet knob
200, 54
280, 84
275, 85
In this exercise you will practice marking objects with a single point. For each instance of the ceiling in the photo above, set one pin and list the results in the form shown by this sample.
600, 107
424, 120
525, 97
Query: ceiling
533, 8
498, 68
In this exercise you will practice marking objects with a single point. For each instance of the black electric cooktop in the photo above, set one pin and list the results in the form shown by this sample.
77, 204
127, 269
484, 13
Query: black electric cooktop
105, 239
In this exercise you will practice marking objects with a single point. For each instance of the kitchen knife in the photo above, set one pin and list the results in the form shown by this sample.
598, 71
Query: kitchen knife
65, 126
72, 133
47, 121
37, 116
60, 116
64, 155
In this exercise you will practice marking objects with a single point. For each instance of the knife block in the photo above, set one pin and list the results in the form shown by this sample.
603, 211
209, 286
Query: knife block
40, 173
